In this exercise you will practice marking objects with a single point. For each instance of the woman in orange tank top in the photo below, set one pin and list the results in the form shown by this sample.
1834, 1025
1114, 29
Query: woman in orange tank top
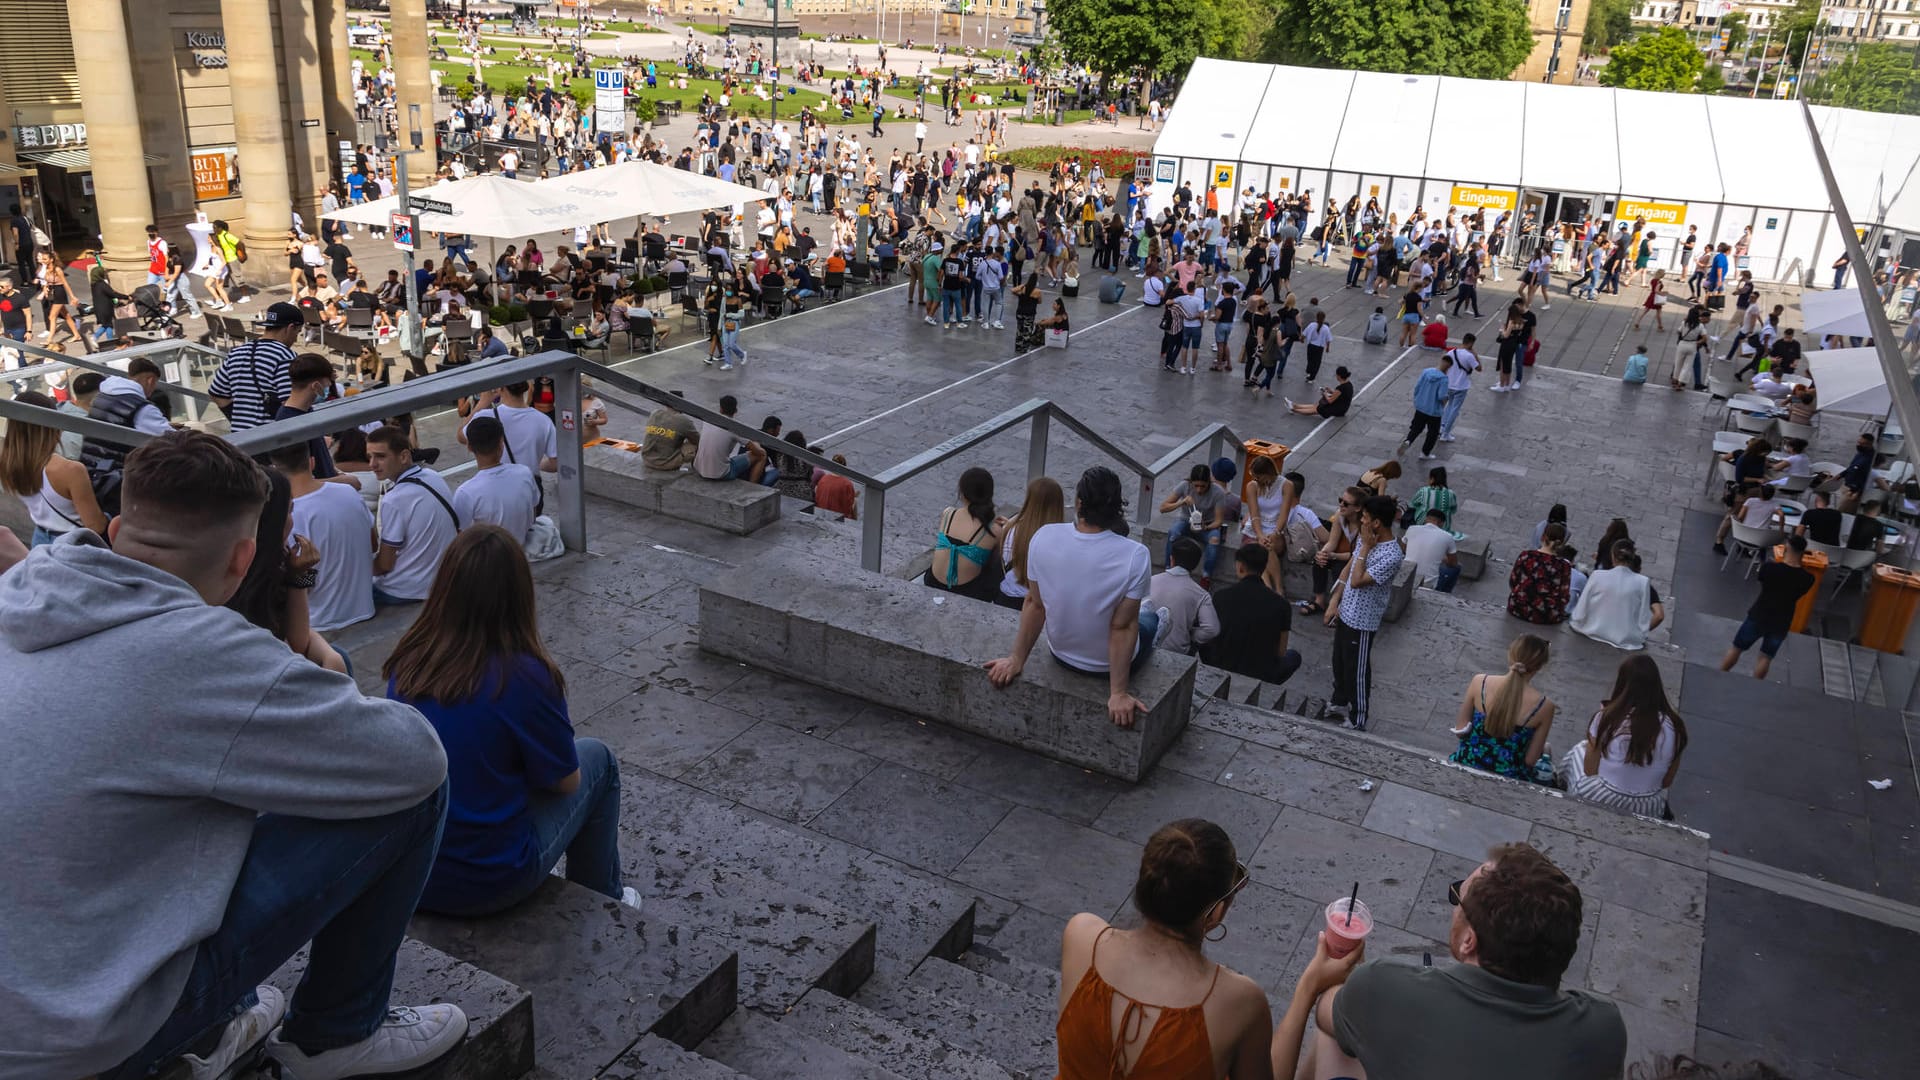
1147, 1004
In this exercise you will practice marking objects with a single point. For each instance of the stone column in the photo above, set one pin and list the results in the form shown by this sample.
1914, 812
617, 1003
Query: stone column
253, 73
302, 48
413, 82
112, 110
336, 70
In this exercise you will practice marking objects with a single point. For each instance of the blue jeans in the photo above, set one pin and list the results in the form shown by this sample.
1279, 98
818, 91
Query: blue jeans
952, 305
1210, 551
993, 305
1456, 400
383, 598
41, 537
349, 887
584, 826
730, 349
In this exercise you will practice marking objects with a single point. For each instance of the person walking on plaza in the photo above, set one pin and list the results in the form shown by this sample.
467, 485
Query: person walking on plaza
1782, 583
1429, 402
1469, 291
1656, 296
1462, 363
1356, 607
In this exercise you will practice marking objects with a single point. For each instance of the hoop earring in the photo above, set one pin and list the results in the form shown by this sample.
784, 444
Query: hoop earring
1222, 927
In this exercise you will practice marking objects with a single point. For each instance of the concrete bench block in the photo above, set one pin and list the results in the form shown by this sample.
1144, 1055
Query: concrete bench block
922, 651
1405, 582
1473, 558
499, 1042
734, 506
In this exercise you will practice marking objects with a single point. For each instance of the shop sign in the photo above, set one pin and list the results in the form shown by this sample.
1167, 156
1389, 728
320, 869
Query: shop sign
1653, 213
210, 176
1223, 176
49, 136
209, 47
1163, 170
1502, 199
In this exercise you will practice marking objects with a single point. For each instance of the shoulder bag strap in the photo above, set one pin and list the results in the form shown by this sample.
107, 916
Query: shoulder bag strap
437, 497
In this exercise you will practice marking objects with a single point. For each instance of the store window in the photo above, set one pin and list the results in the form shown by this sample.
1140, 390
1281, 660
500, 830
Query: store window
216, 172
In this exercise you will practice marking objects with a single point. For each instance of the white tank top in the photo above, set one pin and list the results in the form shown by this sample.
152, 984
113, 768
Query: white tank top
1268, 507
51, 510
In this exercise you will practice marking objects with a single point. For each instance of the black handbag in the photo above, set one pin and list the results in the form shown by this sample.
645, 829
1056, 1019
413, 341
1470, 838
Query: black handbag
1716, 301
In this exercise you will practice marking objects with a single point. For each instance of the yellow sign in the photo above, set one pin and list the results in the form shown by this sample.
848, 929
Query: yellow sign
1653, 213
1484, 198
210, 176
1286, 182
1223, 176
1373, 191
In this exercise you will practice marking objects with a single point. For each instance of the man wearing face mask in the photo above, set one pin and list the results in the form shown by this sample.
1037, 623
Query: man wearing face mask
311, 375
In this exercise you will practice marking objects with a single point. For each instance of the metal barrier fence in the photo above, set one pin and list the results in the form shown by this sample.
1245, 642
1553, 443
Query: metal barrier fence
566, 370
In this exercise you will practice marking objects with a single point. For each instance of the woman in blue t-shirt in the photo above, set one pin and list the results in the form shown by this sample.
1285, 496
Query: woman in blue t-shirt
522, 790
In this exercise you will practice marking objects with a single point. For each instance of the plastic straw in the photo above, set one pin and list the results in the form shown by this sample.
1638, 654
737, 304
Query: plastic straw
1350, 902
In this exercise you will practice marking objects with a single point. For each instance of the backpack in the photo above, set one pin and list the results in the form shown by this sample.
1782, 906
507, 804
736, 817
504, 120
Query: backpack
106, 462
1300, 543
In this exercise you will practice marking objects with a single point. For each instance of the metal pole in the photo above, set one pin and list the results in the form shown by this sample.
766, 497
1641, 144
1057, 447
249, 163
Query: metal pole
1037, 445
410, 342
774, 108
1901, 384
570, 509
873, 515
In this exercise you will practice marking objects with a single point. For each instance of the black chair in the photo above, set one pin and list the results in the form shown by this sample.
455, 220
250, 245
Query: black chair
342, 344
603, 295
690, 309
642, 336
630, 252
676, 284
359, 318
835, 282
458, 336
539, 308
314, 316
889, 266
774, 301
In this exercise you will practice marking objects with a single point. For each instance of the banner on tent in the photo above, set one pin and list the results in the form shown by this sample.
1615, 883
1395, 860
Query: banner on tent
1653, 213
1223, 176
1481, 198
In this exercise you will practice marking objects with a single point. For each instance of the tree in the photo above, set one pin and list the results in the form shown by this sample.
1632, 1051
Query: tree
1116, 37
1662, 60
1796, 28
1479, 39
1609, 22
1734, 23
1878, 77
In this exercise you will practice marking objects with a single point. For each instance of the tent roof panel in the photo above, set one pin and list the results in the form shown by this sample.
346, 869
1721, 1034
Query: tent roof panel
1214, 113
1570, 140
1300, 118
1462, 154
1679, 120
1744, 127
1879, 169
1389, 120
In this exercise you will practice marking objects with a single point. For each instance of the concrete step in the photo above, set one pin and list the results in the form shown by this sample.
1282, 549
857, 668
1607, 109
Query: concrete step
995, 1014
787, 940
1041, 982
654, 1058
912, 1050
499, 1043
689, 834
757, 1045
601, 975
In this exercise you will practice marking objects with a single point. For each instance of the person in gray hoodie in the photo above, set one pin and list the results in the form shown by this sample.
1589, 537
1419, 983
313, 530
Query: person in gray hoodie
180, 829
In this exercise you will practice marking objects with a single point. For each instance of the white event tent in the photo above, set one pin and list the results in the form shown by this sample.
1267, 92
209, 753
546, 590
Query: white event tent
1719, 164
494, 206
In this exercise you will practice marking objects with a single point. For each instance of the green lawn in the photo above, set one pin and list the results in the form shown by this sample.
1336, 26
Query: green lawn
1074, 116
715, 29
625, 27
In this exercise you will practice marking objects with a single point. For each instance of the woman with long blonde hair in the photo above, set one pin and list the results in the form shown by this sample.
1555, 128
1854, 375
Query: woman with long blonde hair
1045, 504
57, 493
1503, 720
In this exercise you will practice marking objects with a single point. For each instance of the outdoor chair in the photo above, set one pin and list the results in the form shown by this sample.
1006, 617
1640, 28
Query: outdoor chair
1751, 544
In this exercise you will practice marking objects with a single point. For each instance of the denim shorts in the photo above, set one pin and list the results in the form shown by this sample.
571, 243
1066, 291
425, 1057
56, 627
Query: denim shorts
1750, 632
1190, 336
1222, 331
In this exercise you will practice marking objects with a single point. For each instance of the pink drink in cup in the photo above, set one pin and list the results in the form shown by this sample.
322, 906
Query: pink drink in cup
1345, 932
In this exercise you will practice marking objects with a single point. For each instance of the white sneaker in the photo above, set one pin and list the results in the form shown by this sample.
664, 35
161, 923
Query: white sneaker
1288, 402
726, 367
1497, 389
930, 321
1515, 388
1446, 438
244, 1034
411, 1036
631, 898
1428, 457
999, 326
1166, 624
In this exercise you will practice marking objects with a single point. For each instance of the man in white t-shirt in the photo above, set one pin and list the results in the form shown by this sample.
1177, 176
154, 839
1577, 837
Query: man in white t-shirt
500, 492
714, 457
530, 438
1459, 381
1430, 546
1085, 584
335, 519
417, 520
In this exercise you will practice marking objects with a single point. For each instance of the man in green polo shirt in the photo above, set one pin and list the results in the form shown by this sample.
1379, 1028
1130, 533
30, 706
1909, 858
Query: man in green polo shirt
1498, 1012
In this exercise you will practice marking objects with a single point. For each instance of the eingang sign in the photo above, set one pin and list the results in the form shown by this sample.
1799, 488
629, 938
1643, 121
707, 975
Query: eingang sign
1653, 213
1484, 198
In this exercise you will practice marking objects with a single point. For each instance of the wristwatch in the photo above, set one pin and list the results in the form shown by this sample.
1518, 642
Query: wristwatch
303, 579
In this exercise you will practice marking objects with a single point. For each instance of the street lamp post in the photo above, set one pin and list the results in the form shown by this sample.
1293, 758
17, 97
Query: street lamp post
410, 342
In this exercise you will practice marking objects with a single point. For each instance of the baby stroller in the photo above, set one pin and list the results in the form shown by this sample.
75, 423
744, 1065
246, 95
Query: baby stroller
150, 307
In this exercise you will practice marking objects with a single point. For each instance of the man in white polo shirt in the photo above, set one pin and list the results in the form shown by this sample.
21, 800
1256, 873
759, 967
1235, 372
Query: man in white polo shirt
500, 493
417, 521
1085, 584
530, 437
336, 520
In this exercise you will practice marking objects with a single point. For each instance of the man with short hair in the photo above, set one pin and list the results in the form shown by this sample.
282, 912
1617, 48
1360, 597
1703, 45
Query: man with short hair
488, 346
310, 381
1086, 580
1497, 1011
671, 438
1459, 380
1783, 582
336, 519
269, 805
417, 520
1185, 609
1429, 402
156, 257
253, 381
1434, 552
1356, 606
499, 492
531, 440
714, 457
1255, 623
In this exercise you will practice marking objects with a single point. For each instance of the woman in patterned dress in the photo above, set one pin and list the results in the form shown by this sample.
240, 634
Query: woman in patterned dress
1503, 721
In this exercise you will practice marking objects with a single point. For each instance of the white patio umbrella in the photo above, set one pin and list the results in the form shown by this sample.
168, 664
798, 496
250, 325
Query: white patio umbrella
1835, 312
633, 188
490, 205
1849, 381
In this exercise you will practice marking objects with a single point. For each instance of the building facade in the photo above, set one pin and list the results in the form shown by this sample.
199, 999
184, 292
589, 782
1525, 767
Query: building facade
1558, 29
124, 112
1846, 20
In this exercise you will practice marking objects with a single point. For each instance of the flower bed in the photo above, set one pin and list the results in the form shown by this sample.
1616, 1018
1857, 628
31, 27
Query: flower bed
1114, 160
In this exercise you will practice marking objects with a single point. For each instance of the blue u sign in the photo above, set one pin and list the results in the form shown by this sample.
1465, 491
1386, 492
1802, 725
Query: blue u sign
609, 79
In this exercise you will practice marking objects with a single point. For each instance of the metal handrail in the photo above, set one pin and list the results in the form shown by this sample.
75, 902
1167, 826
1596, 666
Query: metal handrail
566, 369
53, 362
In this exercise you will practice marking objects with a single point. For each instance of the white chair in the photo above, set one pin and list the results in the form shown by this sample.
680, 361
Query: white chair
1722, 472
1720, 387
1751, 424
1792, 485
1831, 470
1849, 563
1795, 431
1752, 544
